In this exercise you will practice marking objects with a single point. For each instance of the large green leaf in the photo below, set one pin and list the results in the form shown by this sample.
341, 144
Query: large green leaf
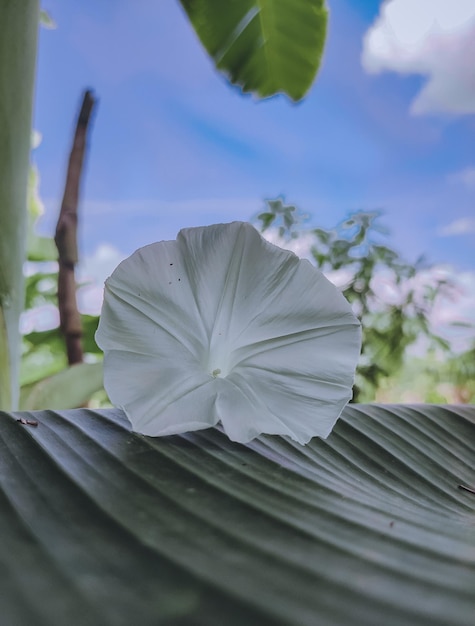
103, 527
44, 353
69, 388
18, 34
264, 46
38, 248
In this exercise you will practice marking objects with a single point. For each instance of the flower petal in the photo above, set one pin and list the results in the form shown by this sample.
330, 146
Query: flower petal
149, 305
222, 325
159, 400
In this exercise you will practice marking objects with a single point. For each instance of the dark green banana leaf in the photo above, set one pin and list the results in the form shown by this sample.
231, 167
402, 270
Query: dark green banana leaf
101, 526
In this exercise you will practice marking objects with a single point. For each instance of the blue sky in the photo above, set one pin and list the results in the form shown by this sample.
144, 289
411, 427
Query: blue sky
389, 124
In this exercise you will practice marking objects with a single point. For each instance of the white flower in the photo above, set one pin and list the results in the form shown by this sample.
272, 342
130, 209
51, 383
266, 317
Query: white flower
222, 326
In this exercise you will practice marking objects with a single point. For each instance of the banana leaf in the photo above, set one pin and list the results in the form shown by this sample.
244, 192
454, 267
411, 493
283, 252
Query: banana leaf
102, 526
263, 46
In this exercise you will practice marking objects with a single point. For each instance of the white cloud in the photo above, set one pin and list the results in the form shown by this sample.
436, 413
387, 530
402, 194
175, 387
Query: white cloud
433, 38
301, 246
462, 226
93, 271
100, 265
465, 177
41, 318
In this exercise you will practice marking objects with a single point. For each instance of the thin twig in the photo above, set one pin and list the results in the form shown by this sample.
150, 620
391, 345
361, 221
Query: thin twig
66, 238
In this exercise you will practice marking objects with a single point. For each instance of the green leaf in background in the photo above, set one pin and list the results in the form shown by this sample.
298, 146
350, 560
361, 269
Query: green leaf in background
42, 361
264, 46
38, 248
68, 389
89, 327
46, 20
44, 353
103, 527
41, 288
18, 35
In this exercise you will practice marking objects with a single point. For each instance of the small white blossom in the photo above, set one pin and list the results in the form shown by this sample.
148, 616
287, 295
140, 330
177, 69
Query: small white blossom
222, 326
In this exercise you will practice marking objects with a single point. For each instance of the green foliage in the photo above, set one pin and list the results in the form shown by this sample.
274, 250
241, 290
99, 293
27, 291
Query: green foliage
45, 378
432, 379
40, 289
46, 20
459, 372
43, 354
368, 527
353, 249
264, 46
38, 248
44, 351
284, 217
69, 388
418, 380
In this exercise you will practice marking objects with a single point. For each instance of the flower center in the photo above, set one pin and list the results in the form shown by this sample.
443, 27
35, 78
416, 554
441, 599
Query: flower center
217, 363
217, 368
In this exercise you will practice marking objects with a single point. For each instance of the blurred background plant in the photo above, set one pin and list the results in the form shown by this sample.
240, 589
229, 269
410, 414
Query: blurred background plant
393, 299
46, 381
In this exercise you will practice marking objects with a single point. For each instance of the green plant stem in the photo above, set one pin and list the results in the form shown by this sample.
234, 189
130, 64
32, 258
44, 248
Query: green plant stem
18, 39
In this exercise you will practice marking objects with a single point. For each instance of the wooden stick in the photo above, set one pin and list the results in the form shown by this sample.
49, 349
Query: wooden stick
66, 238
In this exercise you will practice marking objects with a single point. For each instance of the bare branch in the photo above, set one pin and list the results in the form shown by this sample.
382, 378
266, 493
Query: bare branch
66, 238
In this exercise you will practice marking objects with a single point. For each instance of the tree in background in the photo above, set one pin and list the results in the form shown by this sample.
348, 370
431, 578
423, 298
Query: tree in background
351, 255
